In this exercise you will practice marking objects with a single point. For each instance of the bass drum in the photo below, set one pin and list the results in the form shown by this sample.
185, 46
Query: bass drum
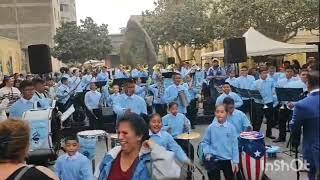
45, 141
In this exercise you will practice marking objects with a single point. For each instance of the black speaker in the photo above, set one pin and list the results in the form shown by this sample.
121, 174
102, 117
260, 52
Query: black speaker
39, 59
235, 50
171, 60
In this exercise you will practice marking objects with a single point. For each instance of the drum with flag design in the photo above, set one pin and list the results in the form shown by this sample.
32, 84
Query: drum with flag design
252, 155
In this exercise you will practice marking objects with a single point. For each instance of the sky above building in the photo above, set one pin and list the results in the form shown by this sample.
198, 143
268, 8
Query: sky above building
115, 13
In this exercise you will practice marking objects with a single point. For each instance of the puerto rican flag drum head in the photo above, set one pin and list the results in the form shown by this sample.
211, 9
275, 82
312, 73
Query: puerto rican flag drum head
252, 135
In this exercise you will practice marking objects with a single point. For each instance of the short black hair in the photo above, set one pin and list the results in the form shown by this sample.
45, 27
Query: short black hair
289, 67
36, 81
25, 83
138, 125
152, 116
64, 79
226, 83
286, 62
228, 101
71, 138
172, 104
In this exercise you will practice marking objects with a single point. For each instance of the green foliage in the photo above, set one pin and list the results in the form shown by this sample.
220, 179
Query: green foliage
80, 43
278, 19
195, 22
178, 24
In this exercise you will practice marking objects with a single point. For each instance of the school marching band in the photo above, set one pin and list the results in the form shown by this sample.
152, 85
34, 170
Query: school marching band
173, 96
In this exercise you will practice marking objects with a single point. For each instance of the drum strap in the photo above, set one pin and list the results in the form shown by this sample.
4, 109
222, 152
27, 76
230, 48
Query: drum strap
22, 172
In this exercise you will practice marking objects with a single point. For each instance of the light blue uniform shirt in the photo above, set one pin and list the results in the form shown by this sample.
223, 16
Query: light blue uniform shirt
184, 72
237, 99
137, 74
63, 93
113, 98
120, 74
266, 89
165, 140
297, 84
282, 83
22, 105
171, 95
221, 140
44, 98
167, 82
193, 92
76, 167
75, 84
134, 102
140, 91
245, 83
232, 81
277, 76
92, 99
179, 124
85, 81
157, 99
103, 76
105, 96
239, 120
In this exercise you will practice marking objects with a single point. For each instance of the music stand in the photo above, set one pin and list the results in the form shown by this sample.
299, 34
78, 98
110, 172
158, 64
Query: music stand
143, 79
255, 94
293, 95
242, 92
289, 94
100, 84
121, 81
168, 75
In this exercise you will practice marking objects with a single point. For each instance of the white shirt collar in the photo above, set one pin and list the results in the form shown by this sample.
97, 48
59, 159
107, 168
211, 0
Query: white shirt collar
151, 133
315, 90
74, 157
217, 124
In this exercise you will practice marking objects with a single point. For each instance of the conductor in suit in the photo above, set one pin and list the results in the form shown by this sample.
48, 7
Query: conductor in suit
306, 115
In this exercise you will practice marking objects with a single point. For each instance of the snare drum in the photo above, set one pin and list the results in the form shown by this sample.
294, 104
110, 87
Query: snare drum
252, 154
88, 140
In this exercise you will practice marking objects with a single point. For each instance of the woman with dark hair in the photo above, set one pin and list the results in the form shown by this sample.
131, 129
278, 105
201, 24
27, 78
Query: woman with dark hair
8, 91
296, 66
14, 145
137, 158
16, 83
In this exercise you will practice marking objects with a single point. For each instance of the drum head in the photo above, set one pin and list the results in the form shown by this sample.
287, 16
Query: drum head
252, 135
114, 136
89, 133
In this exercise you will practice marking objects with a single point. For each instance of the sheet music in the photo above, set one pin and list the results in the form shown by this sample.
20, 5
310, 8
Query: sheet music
67, 113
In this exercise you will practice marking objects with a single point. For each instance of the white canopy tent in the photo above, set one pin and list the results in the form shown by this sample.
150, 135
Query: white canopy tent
258, 44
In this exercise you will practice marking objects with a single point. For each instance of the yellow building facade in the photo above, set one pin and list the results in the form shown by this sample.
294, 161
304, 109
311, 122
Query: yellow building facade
11, 56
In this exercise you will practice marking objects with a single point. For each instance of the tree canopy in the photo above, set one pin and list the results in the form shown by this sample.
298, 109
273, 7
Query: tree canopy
178, 24
196, 22
80, 43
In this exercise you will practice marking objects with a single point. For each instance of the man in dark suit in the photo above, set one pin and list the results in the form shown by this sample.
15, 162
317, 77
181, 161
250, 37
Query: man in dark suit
306, 115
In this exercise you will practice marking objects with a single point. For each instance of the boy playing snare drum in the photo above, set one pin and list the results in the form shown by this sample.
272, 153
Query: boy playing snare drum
220, 145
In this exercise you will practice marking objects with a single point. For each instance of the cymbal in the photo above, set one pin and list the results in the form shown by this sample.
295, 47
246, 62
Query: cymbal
188, 136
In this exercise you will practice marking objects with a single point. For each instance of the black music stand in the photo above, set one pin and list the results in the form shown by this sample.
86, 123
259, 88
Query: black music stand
242, 92
168, 75
254, 94
100, 84
143, 79
293, 95
289, 94
121, 81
